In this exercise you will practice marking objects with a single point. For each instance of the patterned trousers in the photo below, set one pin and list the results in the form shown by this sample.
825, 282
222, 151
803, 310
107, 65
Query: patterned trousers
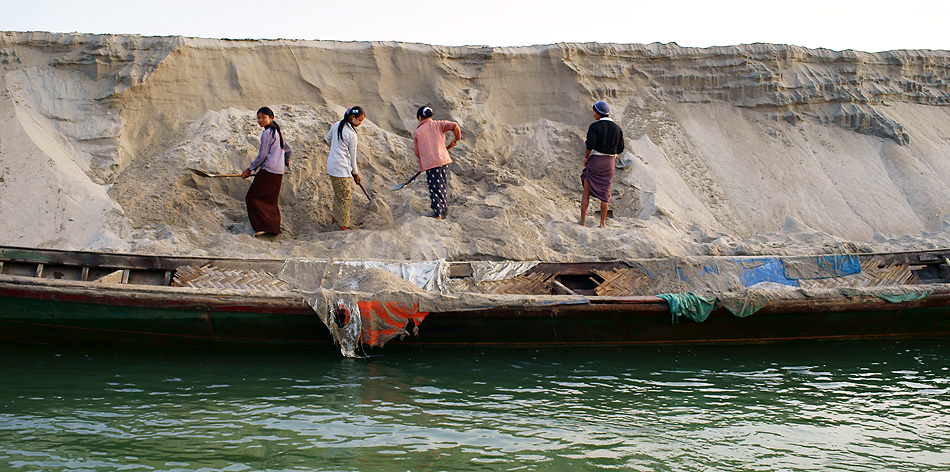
342, 194
437, 179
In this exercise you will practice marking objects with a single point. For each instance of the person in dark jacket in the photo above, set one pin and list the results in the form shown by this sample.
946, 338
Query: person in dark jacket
604, 143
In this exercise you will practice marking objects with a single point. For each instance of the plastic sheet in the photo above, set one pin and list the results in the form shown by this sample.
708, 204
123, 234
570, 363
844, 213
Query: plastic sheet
483, 271
689, 305
309, 275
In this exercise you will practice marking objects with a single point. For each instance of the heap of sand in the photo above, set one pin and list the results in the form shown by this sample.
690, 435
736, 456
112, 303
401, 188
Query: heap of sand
732, 150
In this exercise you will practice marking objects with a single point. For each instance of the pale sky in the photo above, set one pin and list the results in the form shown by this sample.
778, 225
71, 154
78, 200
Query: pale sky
863, 25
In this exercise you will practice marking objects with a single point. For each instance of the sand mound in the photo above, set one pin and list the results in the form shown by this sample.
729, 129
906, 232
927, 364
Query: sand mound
732, 150
373, 280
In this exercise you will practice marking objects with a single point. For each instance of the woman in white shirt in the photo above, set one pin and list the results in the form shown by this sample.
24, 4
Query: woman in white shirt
341, 163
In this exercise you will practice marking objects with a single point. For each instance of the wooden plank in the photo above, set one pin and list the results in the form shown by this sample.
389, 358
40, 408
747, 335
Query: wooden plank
458, 270
560, 289
127, 261
114, 278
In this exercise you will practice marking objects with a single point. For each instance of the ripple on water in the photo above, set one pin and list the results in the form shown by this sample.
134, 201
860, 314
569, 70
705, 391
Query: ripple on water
854, 407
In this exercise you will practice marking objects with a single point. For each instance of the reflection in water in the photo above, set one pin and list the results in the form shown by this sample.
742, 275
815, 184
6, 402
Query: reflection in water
849, 406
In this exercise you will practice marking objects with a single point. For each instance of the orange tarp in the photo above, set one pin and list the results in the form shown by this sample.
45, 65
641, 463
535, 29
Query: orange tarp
383, 321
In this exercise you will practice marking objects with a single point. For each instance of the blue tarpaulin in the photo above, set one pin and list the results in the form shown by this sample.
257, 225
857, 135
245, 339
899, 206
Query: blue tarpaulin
839, 264
771, 270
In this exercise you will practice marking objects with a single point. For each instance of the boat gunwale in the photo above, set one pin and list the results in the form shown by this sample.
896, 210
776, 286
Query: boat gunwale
158, 262
295, 299
135, 294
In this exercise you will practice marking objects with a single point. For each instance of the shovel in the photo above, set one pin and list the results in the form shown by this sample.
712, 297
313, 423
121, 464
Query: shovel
365, 193
377, 206
624, 161
208, 174
407, 182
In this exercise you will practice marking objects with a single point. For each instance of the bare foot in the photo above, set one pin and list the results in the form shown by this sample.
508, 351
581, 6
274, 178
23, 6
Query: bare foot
259, 234
342, 228
581, 222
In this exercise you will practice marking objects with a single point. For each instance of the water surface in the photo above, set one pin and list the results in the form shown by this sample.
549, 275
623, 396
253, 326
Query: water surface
842, 406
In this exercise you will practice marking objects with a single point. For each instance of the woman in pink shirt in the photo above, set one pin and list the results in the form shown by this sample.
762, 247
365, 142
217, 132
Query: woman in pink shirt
429, 145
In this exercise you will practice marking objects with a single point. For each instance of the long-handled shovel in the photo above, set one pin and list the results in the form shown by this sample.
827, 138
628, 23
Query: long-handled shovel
378, 206
365, 192
407, 182
209, 174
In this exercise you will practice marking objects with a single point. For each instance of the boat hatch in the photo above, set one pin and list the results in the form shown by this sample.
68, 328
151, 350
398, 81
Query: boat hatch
589, 279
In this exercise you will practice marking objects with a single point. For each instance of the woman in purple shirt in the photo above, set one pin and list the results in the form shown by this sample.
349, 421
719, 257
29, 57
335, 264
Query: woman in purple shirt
261, 198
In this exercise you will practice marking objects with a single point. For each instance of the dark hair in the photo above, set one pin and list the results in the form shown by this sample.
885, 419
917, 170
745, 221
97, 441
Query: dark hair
273, 124
425, 111
350, 112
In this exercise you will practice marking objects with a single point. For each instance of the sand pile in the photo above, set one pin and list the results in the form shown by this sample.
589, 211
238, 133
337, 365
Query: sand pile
733, 150
374, 280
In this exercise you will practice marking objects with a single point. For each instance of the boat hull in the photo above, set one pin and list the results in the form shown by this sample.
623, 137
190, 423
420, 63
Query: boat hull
73, 313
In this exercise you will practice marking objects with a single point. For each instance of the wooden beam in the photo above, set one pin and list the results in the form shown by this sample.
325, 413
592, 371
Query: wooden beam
460, 269
111, 278
560, 289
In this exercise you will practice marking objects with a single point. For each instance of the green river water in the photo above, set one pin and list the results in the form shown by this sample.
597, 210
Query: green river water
864, 406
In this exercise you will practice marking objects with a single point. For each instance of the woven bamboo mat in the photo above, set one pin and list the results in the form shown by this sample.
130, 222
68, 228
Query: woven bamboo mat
874, 273
537, 283
620, 282
234, 279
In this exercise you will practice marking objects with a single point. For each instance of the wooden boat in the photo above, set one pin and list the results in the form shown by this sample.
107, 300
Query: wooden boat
68, 297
